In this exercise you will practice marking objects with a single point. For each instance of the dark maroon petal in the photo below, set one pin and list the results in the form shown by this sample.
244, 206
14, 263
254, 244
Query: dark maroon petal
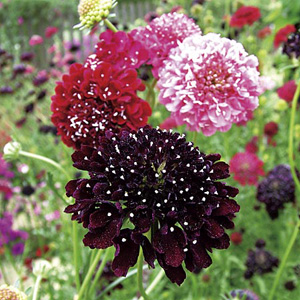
102, 238
71, 187
219, 170
127, 252
199, 255
142, 219
175, 274
226, 207
220, 243
213, 229
103, 215
171, 244
213, 157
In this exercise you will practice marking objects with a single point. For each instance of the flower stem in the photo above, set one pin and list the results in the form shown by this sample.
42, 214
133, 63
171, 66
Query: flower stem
89, 275
76, 255
140, 276
36, 288
284, 260
47, 160
297, 183
291, 137
110, 25
100, 270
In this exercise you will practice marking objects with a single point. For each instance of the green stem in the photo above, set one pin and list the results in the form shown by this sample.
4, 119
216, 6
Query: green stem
3, 272
110, 25
154, 282
36, 288
195, 135
89, 275
284, 260
140, 276
291, 137
47, 160
100, 270
150, 92
76, 255
297, 183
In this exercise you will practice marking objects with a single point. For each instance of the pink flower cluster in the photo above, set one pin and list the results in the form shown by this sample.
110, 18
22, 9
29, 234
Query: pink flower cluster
208, 83
163, 34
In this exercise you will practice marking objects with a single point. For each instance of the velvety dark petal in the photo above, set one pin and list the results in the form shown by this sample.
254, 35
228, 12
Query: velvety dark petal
171, 245
226, 206
213, 229
219, 170
199, 255
220, 243
71, 187
127, 252
102, 238
142, 218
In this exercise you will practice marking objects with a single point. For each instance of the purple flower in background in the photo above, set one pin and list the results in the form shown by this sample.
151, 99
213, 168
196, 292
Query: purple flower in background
18, 249
6, 90
27, 56
5, 176
243, 294
41, 78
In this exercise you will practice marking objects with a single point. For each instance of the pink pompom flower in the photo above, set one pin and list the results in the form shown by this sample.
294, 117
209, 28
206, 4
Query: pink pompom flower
163, 34
287, 91
246, 167
209, 83
36, 40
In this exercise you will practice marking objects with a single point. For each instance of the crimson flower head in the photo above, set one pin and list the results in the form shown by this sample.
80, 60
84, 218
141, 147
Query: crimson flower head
282, 34
50, 31
153, 180
119, 49
163, 34
276, 189
245, 15
287, 91
246, 167
89, 101
263, 33
271, 129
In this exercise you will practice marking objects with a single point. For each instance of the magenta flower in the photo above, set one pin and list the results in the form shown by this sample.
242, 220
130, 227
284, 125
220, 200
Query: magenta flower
36, 40
163, 34
246, 167
50, 31
209, 83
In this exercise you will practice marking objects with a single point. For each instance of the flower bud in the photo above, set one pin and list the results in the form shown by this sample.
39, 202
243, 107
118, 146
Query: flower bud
41, 268
92, 12
281, 105
11, 150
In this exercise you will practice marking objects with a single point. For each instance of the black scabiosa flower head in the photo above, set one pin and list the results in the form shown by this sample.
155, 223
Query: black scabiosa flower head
276, 189
292, 46
153, 180
260, 261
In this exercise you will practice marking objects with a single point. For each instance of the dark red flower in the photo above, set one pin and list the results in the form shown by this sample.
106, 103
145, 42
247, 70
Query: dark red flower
287, 91
260, 261
291, 46
236, 238
263, 33
119, 49
276, 189
89, 101
157, 181
271, 129
282, 34
252, 146
245, 15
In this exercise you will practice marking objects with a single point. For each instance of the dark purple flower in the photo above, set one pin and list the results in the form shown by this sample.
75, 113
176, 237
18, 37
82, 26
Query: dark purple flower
19, 69
6, 90
27, 56
260, 261
276, 189
290, 285
41, 78
243, 295
18, 249
157, 181
28, 190
48, 129
41, 95
2, 52
292, 46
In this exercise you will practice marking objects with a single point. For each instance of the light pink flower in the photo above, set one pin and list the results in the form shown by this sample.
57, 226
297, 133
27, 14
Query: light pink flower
53, 216
208, 83
35, 40
163, 34
168, 123
266, 83
20, 20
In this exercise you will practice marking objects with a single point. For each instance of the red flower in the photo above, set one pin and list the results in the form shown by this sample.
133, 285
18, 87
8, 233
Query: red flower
118, 49
50, 31
236, 238
89, 101
252, 146
287, 91
247, 167
271, 129
282, 34
245, 15
264, 32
